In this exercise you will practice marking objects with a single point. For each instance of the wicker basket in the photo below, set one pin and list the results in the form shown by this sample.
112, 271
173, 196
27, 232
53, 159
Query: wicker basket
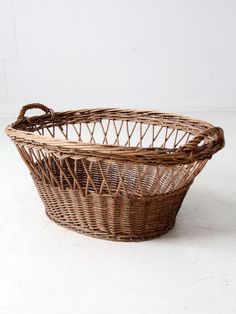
111, 173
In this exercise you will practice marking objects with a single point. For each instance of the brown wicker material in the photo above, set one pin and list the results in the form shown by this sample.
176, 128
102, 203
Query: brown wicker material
112, 173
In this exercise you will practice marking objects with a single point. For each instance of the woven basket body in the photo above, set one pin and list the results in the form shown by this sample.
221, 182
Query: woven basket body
114, 174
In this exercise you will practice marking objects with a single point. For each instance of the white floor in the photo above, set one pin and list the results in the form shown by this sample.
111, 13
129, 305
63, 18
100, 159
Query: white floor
45, 269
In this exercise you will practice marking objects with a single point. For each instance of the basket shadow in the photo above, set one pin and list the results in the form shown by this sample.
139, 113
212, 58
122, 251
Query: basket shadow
203, 214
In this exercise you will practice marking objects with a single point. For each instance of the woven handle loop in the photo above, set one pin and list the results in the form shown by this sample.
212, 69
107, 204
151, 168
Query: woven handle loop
33, 106
215, 133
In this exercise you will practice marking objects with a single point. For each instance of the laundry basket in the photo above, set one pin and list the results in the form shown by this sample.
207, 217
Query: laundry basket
112, 173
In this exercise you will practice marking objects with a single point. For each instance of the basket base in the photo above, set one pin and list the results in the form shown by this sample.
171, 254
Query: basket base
111, 218
110, 237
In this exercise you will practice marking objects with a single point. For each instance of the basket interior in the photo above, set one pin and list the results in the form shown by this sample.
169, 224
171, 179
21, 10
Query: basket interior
118, 132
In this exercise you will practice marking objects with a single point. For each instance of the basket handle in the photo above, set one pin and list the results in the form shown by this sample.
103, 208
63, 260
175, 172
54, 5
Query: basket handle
215, 133
33, 106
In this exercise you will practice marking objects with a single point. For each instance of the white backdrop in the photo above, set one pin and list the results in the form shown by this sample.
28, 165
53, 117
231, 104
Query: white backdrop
161, 54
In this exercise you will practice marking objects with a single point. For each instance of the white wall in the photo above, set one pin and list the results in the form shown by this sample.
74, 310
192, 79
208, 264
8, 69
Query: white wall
162, 54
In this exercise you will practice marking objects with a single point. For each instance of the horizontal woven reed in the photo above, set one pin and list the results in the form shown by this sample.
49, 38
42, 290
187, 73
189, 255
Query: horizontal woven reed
112, 173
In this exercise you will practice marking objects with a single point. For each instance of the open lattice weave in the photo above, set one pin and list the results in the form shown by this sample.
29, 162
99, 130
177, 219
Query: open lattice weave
112, 173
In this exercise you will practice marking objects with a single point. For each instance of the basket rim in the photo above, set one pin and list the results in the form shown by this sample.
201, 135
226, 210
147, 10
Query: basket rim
185, 154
